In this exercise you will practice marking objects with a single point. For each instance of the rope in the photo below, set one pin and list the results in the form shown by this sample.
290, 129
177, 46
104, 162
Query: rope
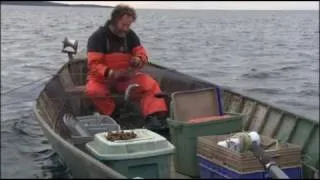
245, 140
40, 79
28, 84
22, 100
37, 81
32, 83
15, 102
60, 98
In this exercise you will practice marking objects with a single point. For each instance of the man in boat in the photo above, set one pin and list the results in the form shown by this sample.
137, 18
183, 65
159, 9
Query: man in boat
115, 55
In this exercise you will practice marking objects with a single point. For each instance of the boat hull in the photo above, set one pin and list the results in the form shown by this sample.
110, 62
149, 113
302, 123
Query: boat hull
80, 164
262, 117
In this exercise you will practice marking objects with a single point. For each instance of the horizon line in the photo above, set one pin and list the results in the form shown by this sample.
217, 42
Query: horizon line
143, 6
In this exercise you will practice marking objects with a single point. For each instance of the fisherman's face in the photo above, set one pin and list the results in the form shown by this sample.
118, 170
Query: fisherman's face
123, 25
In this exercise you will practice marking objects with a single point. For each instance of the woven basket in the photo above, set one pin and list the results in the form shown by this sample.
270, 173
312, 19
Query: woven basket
285, 155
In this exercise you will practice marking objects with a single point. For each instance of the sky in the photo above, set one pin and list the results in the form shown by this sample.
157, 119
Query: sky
219, 5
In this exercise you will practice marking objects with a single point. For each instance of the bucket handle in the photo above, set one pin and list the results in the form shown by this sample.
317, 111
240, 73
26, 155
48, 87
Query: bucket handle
175, 124
305, 158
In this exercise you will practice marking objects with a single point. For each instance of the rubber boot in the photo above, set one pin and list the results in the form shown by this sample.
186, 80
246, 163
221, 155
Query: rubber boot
157, 124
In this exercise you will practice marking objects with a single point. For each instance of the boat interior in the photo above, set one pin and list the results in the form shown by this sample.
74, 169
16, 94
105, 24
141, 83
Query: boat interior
64, 94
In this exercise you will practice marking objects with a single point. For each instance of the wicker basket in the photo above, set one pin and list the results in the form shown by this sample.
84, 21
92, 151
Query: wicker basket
285, 155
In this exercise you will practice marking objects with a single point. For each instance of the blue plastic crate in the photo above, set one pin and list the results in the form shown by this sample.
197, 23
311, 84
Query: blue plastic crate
210, 170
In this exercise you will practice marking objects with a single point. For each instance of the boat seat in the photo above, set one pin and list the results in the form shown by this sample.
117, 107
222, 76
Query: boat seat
80, 89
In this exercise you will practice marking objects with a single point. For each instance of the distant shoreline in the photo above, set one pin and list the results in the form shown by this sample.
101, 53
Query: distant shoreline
47, 3
53, 4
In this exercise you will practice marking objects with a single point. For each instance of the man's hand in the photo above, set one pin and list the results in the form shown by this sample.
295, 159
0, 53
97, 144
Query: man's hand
113, 74
135, 62
119, 74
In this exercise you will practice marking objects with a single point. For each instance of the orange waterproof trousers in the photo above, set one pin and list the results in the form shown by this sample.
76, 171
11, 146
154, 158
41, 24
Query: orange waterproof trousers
99, 93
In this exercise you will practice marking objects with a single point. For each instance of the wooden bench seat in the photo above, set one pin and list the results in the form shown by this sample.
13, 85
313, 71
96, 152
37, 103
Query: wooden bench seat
76, 89
79, 90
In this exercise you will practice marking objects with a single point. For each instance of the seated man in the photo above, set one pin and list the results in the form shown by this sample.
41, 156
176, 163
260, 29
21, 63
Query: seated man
114, 52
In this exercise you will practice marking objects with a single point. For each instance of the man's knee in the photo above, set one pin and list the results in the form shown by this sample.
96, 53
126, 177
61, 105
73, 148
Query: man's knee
92, 93
96, 90
146, 82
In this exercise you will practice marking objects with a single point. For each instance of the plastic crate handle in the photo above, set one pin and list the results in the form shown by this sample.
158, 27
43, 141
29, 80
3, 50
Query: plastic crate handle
220, 107
175, 124
171, 104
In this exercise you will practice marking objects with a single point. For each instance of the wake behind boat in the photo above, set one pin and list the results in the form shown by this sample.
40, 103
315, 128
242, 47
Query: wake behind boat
85, 141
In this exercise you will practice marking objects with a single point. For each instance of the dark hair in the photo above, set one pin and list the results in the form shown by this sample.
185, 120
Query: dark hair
121, 10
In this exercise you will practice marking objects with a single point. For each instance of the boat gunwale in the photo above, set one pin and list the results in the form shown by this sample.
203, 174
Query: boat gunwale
192, 78
233, 92
111, 172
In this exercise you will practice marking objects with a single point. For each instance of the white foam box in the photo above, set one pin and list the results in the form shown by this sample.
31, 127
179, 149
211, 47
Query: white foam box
147, 156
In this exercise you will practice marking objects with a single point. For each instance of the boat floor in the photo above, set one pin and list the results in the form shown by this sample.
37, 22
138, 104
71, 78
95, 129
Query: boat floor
176, 175
133, 121
173, 173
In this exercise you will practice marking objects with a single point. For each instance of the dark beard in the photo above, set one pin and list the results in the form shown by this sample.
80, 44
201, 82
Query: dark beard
121, 33
115, 31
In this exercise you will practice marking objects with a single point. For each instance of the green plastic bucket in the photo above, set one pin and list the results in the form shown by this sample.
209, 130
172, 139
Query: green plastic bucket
184, 137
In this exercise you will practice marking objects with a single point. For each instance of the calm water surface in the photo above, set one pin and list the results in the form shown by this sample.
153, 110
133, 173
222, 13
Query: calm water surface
272, 56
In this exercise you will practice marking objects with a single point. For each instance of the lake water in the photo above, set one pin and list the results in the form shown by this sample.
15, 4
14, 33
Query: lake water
272, 56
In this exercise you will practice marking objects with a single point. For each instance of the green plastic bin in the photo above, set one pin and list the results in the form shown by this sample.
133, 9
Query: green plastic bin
184, 137
156, 167
194, 104
146, 156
